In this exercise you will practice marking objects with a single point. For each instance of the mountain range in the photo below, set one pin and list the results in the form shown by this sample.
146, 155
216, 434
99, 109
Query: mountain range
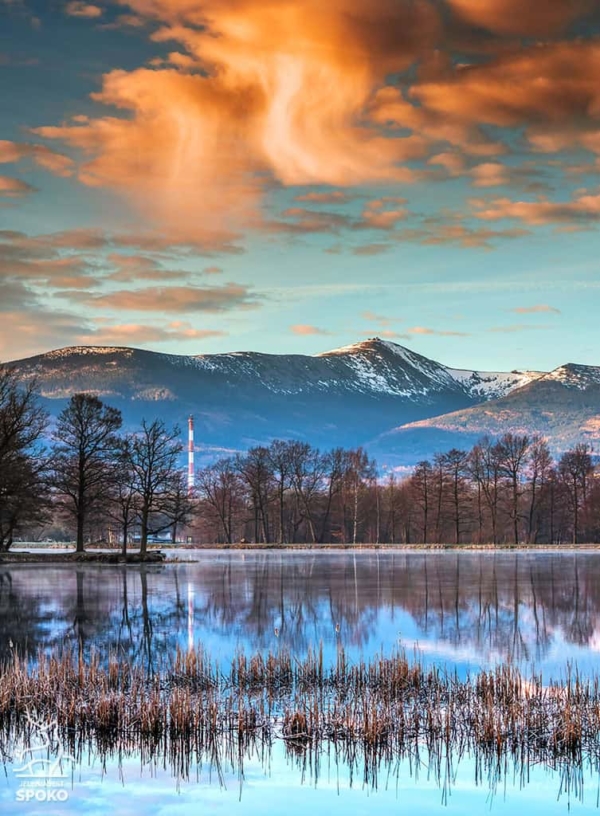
400, 405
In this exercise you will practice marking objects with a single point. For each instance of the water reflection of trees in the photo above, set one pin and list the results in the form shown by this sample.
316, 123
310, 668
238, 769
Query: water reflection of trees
83, 608
504, 605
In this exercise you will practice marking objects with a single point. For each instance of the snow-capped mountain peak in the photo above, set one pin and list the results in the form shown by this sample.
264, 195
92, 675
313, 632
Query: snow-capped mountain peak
348, 396
371, 359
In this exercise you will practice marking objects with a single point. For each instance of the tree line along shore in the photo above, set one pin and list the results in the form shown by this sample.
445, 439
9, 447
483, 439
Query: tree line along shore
85, 479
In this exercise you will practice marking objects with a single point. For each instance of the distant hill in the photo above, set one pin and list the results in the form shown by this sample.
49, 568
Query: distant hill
563, 406
349, 396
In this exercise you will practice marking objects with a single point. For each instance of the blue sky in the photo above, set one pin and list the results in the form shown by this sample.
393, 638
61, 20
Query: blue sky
196, 176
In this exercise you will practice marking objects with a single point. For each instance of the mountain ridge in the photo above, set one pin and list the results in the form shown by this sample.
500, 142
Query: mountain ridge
391, 399
353, 356
562, 405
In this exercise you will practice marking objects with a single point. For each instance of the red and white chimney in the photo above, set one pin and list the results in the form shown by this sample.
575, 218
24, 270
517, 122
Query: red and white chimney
190, 479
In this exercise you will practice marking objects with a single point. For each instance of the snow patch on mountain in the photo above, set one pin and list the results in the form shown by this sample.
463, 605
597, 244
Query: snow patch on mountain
572, 375
489, 385
89, 351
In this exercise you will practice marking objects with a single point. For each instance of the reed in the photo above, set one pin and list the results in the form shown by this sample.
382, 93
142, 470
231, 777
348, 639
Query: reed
367, 713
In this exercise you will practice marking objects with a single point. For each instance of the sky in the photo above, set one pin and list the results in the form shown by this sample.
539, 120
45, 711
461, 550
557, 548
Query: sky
291, 176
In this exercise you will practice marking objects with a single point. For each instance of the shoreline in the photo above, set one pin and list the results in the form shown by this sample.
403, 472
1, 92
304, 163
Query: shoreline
54, 556
37, 553
391, 547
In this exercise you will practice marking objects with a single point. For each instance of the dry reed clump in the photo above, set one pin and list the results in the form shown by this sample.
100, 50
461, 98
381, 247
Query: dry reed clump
380, 711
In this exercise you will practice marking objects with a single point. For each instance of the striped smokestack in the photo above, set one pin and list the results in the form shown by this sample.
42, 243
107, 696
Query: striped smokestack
190, 480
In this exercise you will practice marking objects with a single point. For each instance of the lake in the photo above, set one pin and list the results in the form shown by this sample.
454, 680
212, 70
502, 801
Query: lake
462, 611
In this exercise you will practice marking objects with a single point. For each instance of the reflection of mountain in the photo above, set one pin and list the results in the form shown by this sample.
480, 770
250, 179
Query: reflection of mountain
476, 606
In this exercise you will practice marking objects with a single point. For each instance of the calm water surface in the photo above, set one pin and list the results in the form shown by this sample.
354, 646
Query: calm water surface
465, 611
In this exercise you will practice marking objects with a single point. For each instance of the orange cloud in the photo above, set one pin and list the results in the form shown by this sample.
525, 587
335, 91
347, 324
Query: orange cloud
390, 108
140, 267
516, 327
494, 174
426, 330
143, 241
176, 299
279, 91
304, 222
548, 88
26, 326
583, 208
454, 163
526, 17
124, 21
68, 239
368, 250
305, 329
332, 197
537, 309
80, 9
382, 320
433, 233
70, 272
384, 213
389, 334
255, 94
490, 174
43, 156
33, 331
378, 214
14, 188
135, 334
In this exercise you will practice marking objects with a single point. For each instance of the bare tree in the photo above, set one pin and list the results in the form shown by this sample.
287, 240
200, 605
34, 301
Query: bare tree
420, 489
538, 470
220, 488
86, 447
391, 493
23, 460
359, 471
333, 470
308, 474
513, 451
485, 470
575, 468
454, 467
279, 461
179, 505
124, 505
476, 470
154, 458
254, 470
